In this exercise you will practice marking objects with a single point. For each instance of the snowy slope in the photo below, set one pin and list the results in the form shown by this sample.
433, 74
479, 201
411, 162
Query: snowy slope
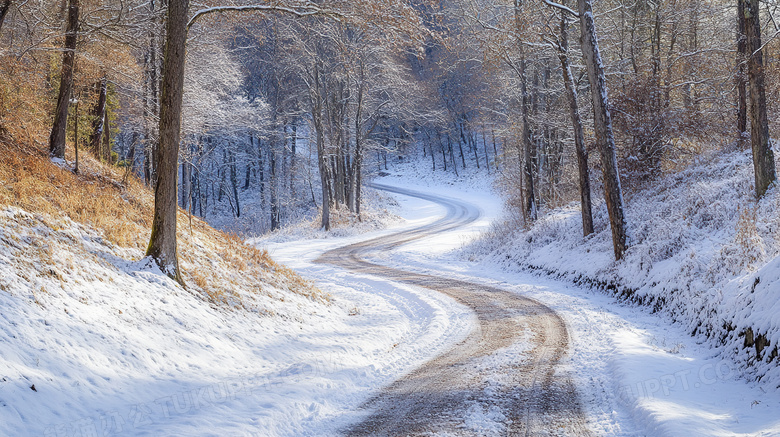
699, 241
113, 347
638, 373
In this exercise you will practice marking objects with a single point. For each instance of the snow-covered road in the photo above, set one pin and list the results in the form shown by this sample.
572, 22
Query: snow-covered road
637, 374
509, 365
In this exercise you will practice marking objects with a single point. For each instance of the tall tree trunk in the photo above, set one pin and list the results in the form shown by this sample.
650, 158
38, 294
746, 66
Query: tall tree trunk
433, 155
316, 98
247, 176
186, 183
579, 137
358, 163
76, 135
106, 139
529, 210
460, 146
763, 158
260, 168
162, 244
443, 151
495, 148
474, 143
485, 146
452, 155
741, 77
234, 181
293, 156
602, 121
148, 157
130, 158
274, 192
151, 100
57, 137
99, 119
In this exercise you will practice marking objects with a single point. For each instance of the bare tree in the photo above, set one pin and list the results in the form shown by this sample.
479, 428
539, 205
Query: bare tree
562, 46
57, 137
603, 126
530, 210
763, 158
162, 244
741, 76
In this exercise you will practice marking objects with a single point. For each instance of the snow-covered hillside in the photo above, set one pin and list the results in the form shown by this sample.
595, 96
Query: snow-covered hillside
97, 342
703, 252
637, 373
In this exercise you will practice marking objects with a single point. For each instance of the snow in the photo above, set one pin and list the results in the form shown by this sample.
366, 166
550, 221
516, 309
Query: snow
639, 373
113, 347
698, 242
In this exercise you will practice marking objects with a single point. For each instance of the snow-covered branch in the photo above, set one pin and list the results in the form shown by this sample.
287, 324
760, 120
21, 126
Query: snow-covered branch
561, 7
303, 12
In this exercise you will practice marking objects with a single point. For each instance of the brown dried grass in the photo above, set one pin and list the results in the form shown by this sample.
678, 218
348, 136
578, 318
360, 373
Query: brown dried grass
221, 267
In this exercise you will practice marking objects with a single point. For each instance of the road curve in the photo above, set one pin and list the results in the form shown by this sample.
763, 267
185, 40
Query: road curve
505, 378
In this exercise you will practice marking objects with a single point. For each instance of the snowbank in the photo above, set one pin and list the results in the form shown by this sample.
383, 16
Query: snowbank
702, 251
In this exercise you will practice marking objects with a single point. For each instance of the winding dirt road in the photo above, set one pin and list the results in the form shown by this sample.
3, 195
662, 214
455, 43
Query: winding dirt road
505, 378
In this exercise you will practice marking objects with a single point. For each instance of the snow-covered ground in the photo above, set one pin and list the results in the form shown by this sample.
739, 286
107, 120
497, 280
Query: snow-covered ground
121, 350
95, 344
638, 373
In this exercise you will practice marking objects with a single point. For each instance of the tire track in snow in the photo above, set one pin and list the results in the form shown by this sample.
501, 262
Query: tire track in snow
505, 378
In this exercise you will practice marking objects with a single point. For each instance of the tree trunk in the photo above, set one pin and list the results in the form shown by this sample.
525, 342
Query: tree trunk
529, 210
57, 137
741, 78
162, 244
151, 101
274, 192
460, 146
433, 155
452, 155
602, 121
260, 168
358, 182
763, 158
443, 151
106, 139
485, 146
99, 119
76, 135
579, 137
234, 181
247, 176
316, 98
130, 157
293, 155
186, 184
495, 148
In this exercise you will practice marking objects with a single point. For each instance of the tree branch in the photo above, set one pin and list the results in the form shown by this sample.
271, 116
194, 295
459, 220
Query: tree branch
308, 11
561, 7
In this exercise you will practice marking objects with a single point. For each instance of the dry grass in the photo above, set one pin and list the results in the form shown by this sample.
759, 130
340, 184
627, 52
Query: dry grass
223, 269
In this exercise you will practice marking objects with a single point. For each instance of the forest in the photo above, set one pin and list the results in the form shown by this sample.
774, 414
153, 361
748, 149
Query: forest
389, 217
295, 101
